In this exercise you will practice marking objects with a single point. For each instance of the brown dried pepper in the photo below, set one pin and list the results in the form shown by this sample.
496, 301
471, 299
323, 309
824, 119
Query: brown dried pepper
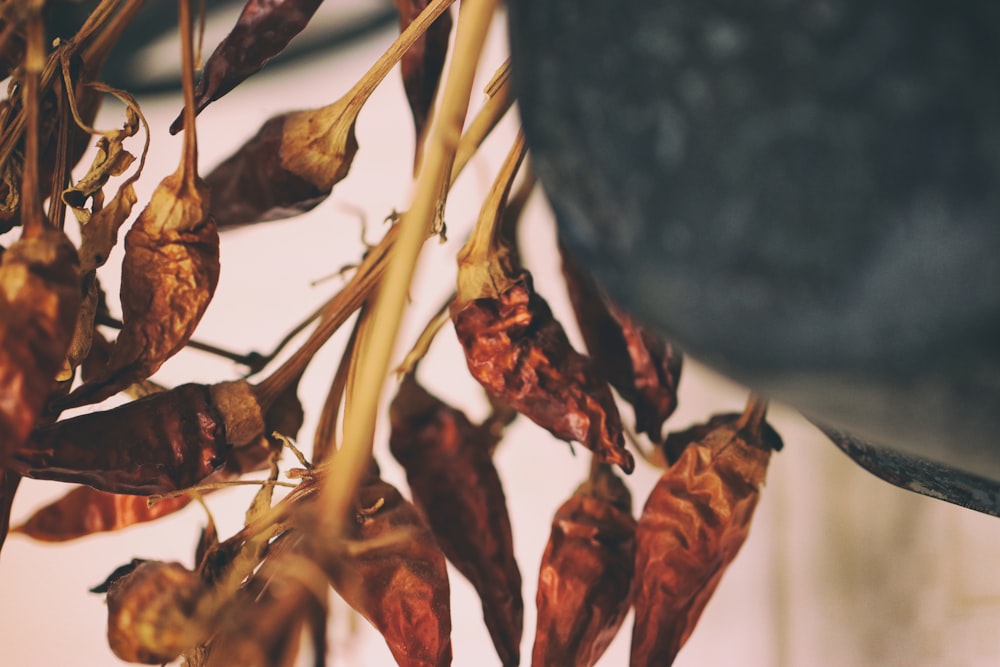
424, 61
296, 158
586, 574
157, 444
643, 367
694, 523
454, 483
152, 610
264, 28
390, 569
171, 265
514, 346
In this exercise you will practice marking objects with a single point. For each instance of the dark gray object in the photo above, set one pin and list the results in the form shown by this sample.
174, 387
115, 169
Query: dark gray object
803, 194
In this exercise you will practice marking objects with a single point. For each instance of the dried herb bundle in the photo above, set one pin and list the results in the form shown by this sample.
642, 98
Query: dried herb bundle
693, 525
454, 483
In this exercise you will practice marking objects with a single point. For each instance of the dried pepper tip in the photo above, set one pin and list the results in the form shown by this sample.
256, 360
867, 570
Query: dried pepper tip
9, 482
39, 300
644, 368
263, 30
518, 351
390, 569
150, 613
454, 483
423, 62
586, 573
694, 523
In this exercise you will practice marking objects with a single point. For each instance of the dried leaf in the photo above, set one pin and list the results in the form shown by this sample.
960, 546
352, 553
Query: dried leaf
158, 444
264, 28
390, 569
640, 365
586, 574
454, 483
694, 523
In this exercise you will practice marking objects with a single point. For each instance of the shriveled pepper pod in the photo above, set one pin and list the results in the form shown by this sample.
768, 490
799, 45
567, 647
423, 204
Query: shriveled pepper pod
643, 367
515, 347
151, 613
263, 29
586, 574
161, 443
423, 62
296, 158
389, 568
694, 523
454, 483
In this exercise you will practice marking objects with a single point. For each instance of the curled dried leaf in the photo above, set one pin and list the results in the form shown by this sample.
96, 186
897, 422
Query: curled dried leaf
454, 483
390, 569
694, 523
586, 573
643, 367
152, 613
158, 444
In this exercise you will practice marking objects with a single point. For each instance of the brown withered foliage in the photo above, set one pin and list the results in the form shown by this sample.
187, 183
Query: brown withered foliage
693, 525
158, 444
453, 481
642, 366
586, 573
390, 569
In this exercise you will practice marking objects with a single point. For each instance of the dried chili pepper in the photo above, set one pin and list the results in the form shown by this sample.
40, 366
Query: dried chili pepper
296, 158
9, 481
390, 569
85, 511
694, 523
423, 62
514, 346
586, 574
171, 265
151, 613
639, 364
157, 444
39, 287
264, 28
454, 483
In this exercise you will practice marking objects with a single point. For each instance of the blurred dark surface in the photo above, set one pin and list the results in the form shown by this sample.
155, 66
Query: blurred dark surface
803, 195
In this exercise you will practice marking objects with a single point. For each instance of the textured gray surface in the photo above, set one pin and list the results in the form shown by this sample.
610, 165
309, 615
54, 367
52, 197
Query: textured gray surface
803, 194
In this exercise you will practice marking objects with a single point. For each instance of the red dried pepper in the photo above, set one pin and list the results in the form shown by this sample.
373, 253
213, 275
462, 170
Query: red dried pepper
390, 569
514, 346
694, 523
454, 483
85, 511
644, 368
158, 444
586, 574
423, 62
264, 28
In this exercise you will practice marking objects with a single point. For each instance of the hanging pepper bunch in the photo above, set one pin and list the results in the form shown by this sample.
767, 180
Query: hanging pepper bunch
261, 595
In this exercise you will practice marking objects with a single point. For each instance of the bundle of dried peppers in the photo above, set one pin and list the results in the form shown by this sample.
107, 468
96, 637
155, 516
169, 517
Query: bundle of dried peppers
251, 598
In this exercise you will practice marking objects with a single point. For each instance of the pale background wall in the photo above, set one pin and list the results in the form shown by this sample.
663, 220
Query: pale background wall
841, 570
